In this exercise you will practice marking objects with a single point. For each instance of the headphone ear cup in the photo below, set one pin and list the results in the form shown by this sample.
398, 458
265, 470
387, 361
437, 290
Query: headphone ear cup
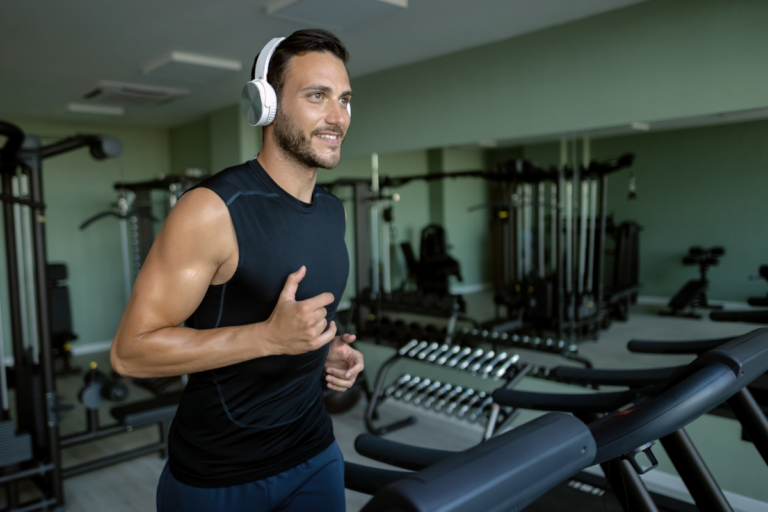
252, 102
270, 105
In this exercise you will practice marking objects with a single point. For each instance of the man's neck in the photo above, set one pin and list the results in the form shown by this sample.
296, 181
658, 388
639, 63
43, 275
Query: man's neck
292, 176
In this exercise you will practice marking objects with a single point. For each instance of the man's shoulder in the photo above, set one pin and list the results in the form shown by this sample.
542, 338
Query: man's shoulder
231, 181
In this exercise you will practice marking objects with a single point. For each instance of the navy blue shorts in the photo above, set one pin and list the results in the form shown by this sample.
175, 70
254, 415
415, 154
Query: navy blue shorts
316, 485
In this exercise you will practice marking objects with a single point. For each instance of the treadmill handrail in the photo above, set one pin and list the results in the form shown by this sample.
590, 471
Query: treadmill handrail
704, 384
633, 378
505, 473
693, 347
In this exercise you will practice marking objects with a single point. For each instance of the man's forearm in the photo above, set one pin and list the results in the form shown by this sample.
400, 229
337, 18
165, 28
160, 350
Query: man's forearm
171, 351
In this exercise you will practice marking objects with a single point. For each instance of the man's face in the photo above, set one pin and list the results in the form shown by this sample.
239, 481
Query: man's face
312, 117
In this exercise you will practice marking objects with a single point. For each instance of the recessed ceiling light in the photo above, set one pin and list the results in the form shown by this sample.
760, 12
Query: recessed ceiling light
487, 143
95, 109
643, 127
333, 14
190, 67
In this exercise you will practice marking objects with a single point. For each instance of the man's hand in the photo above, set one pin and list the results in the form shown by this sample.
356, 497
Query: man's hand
296, 327
343, 362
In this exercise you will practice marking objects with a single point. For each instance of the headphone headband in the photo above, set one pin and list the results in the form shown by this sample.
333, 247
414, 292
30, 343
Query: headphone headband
262, 63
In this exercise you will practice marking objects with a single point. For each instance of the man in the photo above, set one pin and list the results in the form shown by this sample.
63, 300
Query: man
253, 261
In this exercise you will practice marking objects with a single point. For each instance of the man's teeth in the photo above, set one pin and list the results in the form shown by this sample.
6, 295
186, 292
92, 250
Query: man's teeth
332, 137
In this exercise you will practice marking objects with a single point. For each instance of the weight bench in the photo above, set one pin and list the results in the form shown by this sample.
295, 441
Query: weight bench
154, 411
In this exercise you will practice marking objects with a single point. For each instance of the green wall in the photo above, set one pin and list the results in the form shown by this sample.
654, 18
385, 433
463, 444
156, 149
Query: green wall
651, 61
76, 187
700, 186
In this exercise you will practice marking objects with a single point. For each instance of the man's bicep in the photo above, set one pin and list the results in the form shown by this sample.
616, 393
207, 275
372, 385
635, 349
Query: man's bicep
194, 242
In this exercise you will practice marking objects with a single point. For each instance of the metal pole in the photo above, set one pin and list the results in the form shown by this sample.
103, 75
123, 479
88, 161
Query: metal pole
3, 381
541, 219
21, 269
519, 238
583, 235
386, 284
593, 234
691, 467
29, 266
375, 224
41, 282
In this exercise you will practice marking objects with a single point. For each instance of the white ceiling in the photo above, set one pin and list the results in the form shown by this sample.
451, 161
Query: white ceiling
54, 51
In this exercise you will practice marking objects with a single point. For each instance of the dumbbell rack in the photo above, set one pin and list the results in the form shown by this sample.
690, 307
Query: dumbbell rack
468, 403
560, 347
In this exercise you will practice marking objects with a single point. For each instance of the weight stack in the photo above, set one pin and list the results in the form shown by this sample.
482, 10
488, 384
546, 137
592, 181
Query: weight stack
13, 448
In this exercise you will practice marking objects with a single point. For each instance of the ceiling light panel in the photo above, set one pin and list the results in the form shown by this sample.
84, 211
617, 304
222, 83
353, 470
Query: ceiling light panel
333, 14
121, 94
81, 108
190, 68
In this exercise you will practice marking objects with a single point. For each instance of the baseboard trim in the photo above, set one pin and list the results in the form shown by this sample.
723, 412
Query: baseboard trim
673, 487
653, 300
466, 289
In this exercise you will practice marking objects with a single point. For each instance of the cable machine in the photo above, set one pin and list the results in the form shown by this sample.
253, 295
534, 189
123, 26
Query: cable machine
30, 438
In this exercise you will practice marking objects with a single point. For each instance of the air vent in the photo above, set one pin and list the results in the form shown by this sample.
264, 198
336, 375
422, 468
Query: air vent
120, 94
333, 14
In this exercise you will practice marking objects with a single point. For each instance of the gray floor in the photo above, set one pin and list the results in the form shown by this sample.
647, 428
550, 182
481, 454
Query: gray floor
130, 486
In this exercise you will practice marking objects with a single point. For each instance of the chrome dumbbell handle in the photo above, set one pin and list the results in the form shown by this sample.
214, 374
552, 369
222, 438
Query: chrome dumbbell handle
418, 348
466, 407
416, 390
448, 397
413, 382
467, 361
425, 393
408, 346
431, 348
479, 364
437, 353
499, 373
399, 382
480, 408
437, 396
496, 360
458, 357
445, 357
464, 396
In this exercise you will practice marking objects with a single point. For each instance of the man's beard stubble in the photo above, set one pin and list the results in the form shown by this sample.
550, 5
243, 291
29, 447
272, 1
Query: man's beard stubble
296, 146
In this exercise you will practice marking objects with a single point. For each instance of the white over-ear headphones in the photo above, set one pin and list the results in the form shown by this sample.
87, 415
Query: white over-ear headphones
258, 101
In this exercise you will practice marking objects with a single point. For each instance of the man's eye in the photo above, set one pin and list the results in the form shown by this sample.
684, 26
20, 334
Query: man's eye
344, 101
317, 96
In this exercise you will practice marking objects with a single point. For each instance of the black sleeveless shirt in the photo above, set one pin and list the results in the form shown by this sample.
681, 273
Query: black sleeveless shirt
258, 418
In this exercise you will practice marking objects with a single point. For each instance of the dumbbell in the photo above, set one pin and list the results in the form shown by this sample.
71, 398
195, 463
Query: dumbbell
502, 370
442, 392
439, 352
407, 347
468, 360
480, 409
489, 367
100, 387
443, 359
404, 389
454, 404
418, 348
416, 390
398, 383
450, 396
431, 348
464, 409
479, 364
458, 357
424, 394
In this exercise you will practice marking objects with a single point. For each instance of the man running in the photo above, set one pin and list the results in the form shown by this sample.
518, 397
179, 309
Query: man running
253, 261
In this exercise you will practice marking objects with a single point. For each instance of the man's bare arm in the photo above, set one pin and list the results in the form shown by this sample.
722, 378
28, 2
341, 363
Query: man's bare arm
195, 248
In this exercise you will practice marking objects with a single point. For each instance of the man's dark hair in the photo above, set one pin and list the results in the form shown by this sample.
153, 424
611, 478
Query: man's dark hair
299, 43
